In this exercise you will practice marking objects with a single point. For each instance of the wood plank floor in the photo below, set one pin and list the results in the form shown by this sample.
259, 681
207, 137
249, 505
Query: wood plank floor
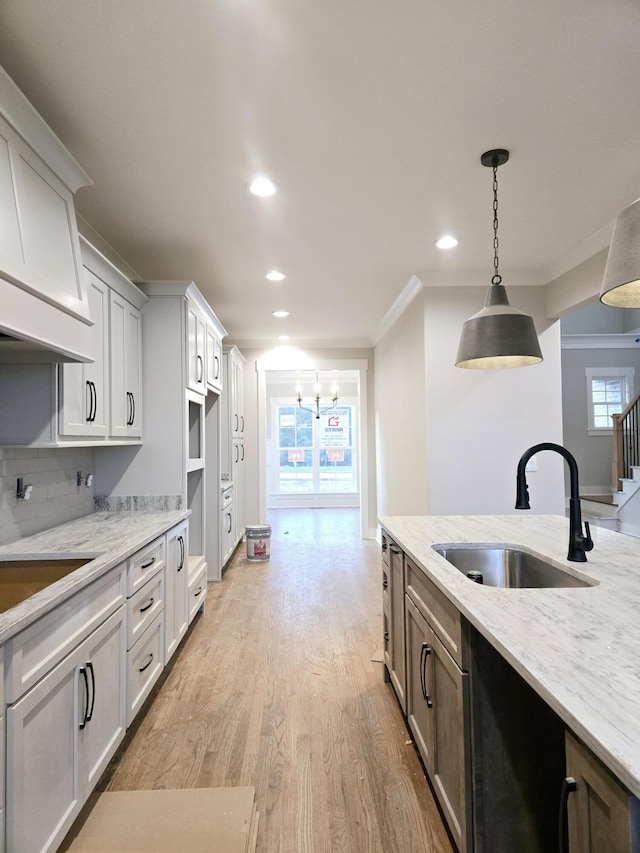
274, 687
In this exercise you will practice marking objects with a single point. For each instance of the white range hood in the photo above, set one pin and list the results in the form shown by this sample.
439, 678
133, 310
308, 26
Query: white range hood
44, 310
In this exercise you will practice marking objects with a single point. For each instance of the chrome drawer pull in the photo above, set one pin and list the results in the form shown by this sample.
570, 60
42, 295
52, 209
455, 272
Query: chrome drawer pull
149, 605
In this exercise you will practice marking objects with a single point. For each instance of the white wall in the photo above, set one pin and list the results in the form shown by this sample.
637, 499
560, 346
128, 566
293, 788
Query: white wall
480, 422
449, 440
401, 455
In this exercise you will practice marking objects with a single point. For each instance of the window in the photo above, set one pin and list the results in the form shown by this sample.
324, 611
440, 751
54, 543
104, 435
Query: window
316, 455
609, 390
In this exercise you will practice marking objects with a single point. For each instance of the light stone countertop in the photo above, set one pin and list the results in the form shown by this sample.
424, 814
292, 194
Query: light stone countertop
106, 538
579, 648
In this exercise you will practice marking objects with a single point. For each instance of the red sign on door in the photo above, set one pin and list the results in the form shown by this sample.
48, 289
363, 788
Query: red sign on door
335, 455
295, 456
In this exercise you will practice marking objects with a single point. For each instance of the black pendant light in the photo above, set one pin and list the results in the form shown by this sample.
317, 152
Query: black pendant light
498, 336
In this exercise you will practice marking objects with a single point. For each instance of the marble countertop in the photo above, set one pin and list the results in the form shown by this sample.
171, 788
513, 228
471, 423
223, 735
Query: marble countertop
579, 648
105, 538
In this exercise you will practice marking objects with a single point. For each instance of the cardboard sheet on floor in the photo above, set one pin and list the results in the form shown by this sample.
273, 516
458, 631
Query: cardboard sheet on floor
191, 820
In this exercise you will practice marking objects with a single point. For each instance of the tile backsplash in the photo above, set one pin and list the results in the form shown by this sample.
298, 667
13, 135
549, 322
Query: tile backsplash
55, 497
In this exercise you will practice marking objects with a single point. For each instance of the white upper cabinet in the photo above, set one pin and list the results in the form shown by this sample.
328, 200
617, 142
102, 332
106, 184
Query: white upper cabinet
43, 294
203, 334
214, 357
102, 400
196, 349
125, 322
84, 388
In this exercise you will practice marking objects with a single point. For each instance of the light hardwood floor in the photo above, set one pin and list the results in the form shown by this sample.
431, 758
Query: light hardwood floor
274, 687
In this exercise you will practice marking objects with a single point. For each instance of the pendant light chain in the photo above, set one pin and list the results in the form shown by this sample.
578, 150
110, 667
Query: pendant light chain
497, 278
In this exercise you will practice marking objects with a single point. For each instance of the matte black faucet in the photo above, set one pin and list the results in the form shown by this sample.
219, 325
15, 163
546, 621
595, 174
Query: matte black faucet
578, 543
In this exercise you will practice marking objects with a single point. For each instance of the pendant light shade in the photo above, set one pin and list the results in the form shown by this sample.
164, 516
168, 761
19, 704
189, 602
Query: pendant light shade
498, 336
621, 282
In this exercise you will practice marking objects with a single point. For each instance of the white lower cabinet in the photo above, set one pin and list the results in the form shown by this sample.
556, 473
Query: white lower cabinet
60, 737
175, 608
77, 677
197, 592
144, 666
146, 608
227, 525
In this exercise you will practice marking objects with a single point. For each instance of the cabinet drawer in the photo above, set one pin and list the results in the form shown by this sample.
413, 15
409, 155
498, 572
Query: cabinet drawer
144, 665
143, 608
197, 591
227, 497
145, 564
37, 649
442, 615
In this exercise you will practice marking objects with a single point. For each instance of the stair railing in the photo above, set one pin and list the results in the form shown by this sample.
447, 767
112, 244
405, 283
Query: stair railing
626, 441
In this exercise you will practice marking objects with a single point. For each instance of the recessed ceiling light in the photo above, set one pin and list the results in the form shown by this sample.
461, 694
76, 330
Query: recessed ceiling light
283, 337
280, 313
446, 242
262, 186
275, 275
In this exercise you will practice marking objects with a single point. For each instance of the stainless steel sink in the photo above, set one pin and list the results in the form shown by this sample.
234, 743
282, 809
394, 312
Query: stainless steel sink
508, 567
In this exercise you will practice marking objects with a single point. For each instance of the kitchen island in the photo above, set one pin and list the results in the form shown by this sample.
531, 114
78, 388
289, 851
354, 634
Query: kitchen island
577, 648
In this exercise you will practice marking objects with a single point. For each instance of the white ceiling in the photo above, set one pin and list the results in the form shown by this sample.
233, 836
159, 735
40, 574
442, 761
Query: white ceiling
370, 115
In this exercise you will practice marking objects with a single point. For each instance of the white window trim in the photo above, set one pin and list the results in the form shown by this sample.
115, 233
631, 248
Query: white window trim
626, 373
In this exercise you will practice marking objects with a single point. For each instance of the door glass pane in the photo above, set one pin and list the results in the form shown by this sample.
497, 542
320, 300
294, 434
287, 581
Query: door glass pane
335, 445
295, 433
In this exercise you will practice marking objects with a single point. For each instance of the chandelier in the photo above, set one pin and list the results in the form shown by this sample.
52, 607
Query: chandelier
317, 410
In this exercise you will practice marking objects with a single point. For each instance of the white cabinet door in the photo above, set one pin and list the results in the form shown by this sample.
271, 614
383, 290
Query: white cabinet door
60, 736
126, 367
237, 476
227, 532
84, 387
43, 792
175, 610
237, 390
214, 360
196, 342
103, 658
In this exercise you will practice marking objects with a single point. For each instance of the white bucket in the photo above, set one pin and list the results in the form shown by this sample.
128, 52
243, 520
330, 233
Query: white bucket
258, 538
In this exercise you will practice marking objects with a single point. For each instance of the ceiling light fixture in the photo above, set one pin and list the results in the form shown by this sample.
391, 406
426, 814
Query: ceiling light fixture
447, 241
280, 313
621, 282
283, 337
262, 186
275, 275
316, 410
498, 336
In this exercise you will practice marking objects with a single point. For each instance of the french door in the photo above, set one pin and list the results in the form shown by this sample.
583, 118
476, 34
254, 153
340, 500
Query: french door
315, 456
